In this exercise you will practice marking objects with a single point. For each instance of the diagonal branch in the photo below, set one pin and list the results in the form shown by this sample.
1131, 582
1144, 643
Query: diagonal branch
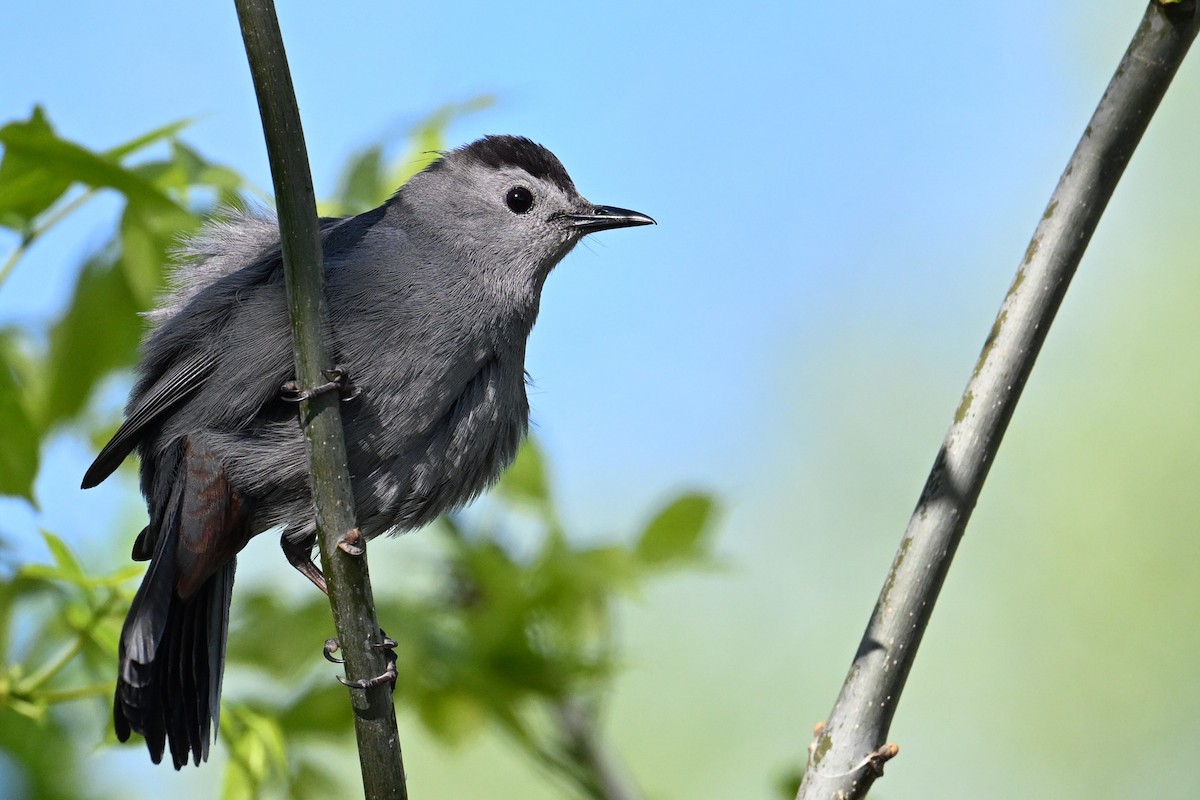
849, 751
348, 580
600, 775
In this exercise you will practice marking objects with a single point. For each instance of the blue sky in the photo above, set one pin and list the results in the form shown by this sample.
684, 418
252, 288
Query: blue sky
840, 187
808, 163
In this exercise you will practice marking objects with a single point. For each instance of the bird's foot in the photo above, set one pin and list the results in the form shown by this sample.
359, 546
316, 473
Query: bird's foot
351, 542
336, 379
389, 674
299, 555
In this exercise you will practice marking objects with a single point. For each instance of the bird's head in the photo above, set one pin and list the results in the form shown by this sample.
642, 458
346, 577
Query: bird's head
508, 207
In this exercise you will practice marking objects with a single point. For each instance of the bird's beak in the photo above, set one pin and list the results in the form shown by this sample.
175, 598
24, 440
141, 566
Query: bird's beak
602, 218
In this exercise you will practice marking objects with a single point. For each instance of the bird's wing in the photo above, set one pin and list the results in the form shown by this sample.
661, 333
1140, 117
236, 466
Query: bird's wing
176, 383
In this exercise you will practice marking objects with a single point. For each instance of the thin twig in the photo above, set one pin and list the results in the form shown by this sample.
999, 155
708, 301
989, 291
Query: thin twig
77, 693
67, 654
345, 567
605, 779
48, 222
850, 747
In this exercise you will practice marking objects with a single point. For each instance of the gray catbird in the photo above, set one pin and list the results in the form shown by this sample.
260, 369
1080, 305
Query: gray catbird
431, 297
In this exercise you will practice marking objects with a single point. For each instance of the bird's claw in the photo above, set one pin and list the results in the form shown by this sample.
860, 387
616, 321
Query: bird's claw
389, 674
331, 647
351, 542
336, 379
387, 677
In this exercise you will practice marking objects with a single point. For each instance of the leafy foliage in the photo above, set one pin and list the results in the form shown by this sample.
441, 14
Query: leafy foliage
495, 639
498, 636
19, 455
43, 178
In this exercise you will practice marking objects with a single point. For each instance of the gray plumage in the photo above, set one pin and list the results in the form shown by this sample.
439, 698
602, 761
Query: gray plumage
432, 297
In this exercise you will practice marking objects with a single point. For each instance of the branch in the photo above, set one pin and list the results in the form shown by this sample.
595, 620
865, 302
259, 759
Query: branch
349, 582
601, 777
849, 751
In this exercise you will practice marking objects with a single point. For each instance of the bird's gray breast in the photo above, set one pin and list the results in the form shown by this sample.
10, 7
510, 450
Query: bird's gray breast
440, 367
416, 451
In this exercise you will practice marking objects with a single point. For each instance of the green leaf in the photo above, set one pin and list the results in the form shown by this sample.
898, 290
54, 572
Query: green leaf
168, 131
187, 169
258, 753
525, 481
63, 557
587, 573
678, 533
20, 451
27, 185
40, 572
35, 749
122, 575
362, 186
207, 173
98, 334
147, 237
59, 160
168, 175
366, 182
428, 137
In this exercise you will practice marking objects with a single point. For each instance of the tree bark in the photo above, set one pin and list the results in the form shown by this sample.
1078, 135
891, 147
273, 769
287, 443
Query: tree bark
346, 574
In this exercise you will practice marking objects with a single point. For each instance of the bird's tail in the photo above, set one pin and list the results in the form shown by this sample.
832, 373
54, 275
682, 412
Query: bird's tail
172, 655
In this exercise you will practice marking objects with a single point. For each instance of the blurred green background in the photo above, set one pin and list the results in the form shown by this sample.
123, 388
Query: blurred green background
843, 196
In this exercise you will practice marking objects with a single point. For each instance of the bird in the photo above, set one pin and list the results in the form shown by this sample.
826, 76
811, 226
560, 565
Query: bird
431, 298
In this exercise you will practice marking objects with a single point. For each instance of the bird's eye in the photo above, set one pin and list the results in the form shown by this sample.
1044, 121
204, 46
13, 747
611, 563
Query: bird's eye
519, 199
